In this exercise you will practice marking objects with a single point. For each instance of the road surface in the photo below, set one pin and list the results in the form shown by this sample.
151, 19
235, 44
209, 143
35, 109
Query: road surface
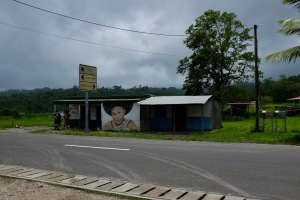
248, 170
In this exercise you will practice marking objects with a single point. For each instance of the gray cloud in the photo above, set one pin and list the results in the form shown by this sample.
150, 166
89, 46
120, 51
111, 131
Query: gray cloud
30, 60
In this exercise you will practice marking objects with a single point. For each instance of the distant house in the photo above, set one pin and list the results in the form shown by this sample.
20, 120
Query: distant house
239, 109
165, 113
294, 101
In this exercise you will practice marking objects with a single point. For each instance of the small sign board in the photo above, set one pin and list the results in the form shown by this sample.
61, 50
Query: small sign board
87, 78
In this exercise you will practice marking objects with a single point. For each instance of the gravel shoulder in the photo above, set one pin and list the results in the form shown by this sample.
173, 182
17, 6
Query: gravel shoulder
28, 129
17, 189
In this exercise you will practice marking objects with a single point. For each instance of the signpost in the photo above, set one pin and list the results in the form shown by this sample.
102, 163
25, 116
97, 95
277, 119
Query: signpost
87, 78
87, 82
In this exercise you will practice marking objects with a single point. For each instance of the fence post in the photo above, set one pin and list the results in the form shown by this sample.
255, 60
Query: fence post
12, 121
264, 113
285, 121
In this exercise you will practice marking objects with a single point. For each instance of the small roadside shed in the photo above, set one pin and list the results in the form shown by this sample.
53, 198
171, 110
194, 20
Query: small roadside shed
239, 109
294, 101
180, 113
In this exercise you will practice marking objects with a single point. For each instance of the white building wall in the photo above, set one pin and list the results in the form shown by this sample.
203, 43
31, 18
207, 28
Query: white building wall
169, 111
74, 111
194, 110
93, 113
207, 109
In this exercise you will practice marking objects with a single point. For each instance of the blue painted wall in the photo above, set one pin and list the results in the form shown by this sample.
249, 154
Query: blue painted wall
195, 123
191, 124
161, 124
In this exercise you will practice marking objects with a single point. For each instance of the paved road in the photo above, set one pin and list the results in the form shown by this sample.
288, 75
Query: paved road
249, 170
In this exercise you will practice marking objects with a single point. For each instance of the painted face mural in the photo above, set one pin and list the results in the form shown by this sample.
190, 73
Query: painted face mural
118, 113
118, 120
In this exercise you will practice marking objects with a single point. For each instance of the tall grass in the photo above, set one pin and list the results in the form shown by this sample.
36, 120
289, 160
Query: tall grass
27, 121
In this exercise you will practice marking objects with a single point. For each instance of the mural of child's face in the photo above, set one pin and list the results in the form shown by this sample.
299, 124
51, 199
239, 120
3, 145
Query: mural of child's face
117, 114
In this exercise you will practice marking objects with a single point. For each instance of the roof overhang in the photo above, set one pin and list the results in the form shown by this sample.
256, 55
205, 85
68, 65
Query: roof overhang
93, 101
175, 100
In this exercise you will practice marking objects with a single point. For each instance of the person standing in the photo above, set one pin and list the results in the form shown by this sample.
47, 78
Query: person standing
67, 119
57, 120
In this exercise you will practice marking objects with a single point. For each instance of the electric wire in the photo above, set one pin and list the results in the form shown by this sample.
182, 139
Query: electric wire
88, 42
94, 23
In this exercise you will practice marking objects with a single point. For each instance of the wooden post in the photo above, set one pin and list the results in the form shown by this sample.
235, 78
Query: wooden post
256, 81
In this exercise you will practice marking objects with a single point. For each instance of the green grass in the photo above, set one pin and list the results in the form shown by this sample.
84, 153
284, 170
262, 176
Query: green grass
240, 131
235, 129
27, 121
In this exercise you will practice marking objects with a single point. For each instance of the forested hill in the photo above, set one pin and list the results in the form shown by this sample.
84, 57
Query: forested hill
41, 100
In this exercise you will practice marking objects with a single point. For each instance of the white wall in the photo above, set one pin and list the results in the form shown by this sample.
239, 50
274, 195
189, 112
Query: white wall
196, 110
74, 110
207, 109
93, 113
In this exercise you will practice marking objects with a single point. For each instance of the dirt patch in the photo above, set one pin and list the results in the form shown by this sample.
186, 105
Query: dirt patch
21, 129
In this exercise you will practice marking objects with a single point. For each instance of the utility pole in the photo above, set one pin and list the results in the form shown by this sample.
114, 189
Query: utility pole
86, 129
257, 129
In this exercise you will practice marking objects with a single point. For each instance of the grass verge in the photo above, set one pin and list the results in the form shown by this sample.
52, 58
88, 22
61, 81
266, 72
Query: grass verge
233, 130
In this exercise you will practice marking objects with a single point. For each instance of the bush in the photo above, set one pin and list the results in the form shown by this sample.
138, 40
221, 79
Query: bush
9, 112
266, 100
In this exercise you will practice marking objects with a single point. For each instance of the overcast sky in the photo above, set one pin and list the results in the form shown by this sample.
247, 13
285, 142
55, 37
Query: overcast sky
34, 54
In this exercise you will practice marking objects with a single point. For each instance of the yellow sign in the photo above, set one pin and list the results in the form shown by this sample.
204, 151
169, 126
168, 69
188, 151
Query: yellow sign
85, 69
87, 78
84, 86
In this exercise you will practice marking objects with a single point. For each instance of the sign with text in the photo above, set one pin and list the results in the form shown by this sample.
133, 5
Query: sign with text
87, 78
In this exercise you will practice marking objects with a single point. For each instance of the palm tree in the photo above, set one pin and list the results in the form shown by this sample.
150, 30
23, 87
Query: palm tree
290, 27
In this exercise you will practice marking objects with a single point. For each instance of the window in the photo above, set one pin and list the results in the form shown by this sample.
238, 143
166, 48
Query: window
160, 111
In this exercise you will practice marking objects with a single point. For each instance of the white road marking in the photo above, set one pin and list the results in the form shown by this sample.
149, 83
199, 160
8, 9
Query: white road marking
91, 147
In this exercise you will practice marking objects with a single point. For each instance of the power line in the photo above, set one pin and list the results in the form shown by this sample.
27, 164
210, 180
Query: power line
88, 42
94, 23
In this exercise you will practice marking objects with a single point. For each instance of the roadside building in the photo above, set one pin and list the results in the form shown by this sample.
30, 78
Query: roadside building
162, 113
109, 113
180, 113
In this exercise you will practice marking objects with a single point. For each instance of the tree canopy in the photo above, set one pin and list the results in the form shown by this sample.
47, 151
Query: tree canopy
289, 27
41, 100
219, 57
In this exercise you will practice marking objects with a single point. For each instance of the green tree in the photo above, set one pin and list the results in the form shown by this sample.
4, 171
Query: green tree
235, 93
282, 89
267, 87
289, 27
219, 57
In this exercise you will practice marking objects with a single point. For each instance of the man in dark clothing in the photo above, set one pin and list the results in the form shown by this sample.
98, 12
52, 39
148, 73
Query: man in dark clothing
57, 120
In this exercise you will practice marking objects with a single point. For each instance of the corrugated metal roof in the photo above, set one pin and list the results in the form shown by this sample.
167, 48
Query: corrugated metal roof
175, 100
294, 99
78, 101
